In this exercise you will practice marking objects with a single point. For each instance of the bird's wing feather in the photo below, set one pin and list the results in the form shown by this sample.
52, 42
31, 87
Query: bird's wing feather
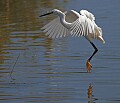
82, 27
87, 14
55, 29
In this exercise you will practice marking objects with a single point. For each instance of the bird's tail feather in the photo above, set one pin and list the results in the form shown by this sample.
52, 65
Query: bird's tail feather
101, 39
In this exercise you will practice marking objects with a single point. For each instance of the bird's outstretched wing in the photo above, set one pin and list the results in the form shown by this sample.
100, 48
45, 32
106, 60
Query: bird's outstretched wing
82, 27
55, 29
85, 26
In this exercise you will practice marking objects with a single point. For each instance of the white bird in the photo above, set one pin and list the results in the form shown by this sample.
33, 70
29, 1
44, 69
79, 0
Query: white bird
75, 24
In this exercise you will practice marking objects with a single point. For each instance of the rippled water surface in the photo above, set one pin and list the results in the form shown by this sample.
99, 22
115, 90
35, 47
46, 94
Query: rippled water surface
53, 70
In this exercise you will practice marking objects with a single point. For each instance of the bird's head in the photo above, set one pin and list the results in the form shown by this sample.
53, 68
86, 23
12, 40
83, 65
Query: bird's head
54, 11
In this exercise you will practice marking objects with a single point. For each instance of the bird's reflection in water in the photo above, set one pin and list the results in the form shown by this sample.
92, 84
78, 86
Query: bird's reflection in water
90, 93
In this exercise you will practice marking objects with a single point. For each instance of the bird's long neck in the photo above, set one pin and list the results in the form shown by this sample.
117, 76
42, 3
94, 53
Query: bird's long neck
63, 21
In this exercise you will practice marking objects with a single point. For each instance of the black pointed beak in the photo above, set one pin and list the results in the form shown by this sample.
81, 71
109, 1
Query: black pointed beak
46, 14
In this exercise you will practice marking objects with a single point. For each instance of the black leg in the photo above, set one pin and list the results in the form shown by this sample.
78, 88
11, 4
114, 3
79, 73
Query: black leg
94, 51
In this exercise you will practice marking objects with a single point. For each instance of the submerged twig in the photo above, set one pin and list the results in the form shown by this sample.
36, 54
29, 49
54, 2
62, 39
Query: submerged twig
14, 67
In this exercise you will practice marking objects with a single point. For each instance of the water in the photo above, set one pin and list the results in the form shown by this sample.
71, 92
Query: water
53, 71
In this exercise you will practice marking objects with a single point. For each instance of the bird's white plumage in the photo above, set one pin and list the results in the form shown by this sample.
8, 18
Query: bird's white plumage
87, 14
55, 29
71, 22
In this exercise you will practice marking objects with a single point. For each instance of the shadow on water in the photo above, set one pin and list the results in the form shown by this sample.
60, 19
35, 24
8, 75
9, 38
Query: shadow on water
51, 71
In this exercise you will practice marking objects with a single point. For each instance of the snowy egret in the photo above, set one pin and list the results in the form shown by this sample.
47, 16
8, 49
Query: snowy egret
75, 24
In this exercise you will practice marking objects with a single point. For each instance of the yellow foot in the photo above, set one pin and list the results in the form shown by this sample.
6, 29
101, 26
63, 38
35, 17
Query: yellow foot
89, 66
